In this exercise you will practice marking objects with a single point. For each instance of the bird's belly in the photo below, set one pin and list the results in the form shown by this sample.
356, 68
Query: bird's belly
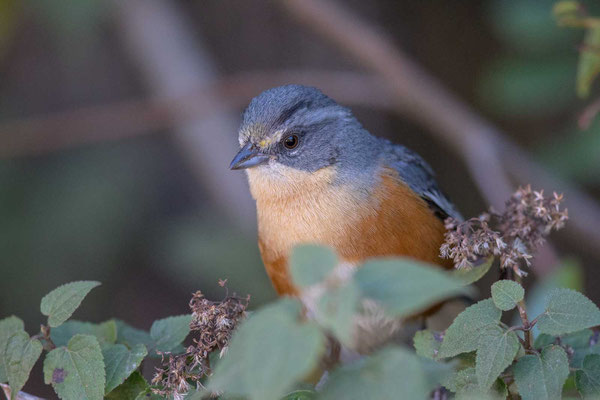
393, 221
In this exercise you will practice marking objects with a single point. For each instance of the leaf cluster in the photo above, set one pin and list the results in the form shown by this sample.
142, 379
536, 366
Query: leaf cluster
478, 356
84, 360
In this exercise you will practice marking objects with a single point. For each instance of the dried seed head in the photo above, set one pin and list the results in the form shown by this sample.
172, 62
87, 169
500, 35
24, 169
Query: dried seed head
527, 219
212, 326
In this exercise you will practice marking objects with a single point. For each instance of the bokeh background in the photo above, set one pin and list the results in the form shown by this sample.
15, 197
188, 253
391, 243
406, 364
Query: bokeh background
118, 121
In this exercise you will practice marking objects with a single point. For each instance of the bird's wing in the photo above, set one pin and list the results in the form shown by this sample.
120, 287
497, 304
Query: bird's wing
419, 176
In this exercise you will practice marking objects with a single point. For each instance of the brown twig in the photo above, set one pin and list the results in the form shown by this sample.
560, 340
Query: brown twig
486, 150
134, 117
526, 325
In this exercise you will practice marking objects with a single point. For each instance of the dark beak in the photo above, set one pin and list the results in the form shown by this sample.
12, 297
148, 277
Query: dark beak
249, 156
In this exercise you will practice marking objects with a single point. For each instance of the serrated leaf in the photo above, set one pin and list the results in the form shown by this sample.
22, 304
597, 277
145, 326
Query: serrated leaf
130, 336
120, 362
567, 311
62, 302
588, 67
311, 264
464, 384
8, 327
105, 332
168, 333
268, 353
76, 372
496, 350
427, 343
463, 334
541, 377
390, 373
587, 379
21, 355
475, 273
335, 311
404, 286
130, 389
568, 275
506, 294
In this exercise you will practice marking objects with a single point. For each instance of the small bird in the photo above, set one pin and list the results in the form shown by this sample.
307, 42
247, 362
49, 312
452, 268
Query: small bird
319, 177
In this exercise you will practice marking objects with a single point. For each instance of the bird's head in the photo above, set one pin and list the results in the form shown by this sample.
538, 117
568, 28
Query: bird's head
293, 130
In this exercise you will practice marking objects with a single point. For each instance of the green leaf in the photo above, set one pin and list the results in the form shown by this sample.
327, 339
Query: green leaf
76, 372
300, 395
582, 344
577, 339
168, 333
589, 62
21, 355
60, 303
496, 351
544, 340
8, 327
120, 362
579, 345
427, 343
541, 377
130, 336
105, 332
268, 353
568, 275
130, 389
405, 286
506, 294
567, 311
149, 395
463, 335
390, 373
464, 384
587, 379
311, 264
336, 309
475, 273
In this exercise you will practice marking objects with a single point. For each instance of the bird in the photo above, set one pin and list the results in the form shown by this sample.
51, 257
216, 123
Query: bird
318, 176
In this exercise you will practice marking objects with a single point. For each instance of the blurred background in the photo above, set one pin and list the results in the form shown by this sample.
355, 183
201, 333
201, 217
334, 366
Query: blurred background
118, 120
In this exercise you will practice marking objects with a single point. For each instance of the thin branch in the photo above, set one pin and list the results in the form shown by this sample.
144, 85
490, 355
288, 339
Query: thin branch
130, 118
165, 47
486, 150
526, 325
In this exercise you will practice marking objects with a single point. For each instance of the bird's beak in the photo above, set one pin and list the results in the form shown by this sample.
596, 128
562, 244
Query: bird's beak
249, 156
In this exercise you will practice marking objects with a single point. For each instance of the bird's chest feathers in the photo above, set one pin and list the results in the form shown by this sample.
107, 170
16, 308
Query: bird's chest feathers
298, 207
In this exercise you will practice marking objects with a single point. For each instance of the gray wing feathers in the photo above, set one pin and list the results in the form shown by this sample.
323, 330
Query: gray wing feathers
419, 176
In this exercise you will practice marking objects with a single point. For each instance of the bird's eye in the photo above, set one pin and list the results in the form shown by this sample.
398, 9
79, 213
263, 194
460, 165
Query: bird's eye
290, 142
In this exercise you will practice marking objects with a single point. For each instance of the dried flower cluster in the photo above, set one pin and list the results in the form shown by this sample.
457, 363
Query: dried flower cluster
528, 218
214, 323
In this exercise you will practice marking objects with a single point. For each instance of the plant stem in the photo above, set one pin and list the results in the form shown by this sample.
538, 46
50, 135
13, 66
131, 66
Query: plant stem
526, 325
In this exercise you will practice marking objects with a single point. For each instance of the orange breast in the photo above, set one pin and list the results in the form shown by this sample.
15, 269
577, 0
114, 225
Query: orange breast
390, 221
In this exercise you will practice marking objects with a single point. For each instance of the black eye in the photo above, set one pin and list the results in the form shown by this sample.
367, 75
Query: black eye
290, 142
